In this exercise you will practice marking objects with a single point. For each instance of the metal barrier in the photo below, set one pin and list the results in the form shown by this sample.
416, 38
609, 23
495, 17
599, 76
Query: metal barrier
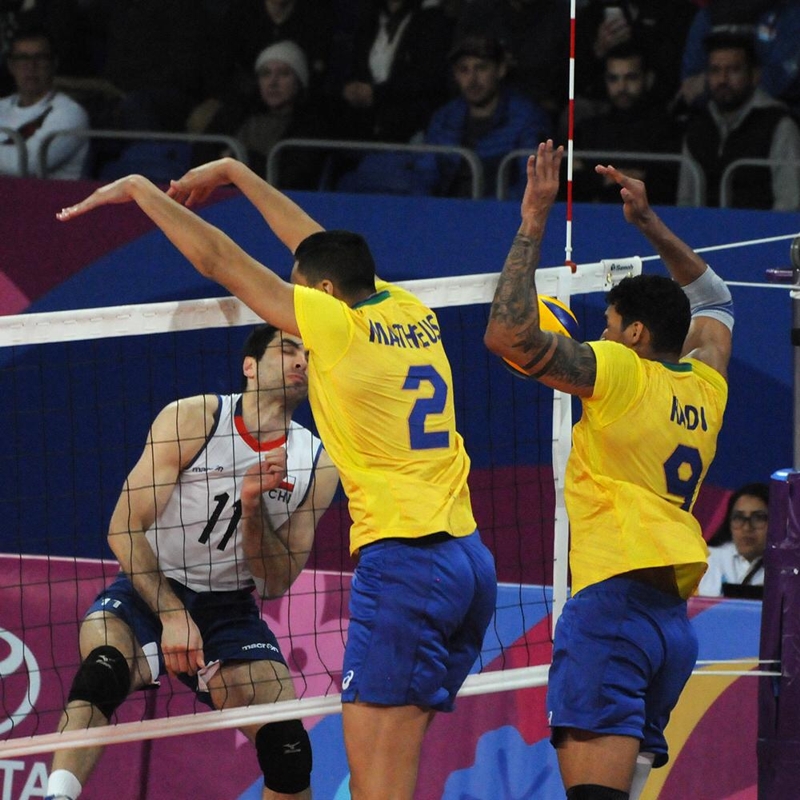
237, 148
22, 150
725, 181
617, 156
475, 165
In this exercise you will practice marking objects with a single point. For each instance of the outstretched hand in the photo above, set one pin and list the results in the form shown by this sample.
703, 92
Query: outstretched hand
543, 180
121, 191
636, 206
197, 184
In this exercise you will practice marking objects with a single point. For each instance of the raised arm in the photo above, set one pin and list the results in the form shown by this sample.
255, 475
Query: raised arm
709, 338
286, 219
212, 253
175, 438
278, 556
513, 330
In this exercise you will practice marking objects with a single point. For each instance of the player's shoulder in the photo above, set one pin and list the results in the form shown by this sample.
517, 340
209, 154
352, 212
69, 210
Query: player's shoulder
198, 403
395, 292
607, 352
195, 411
709, 374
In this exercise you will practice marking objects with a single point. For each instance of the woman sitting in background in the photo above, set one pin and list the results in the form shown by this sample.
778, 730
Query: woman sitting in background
280, 111
737, 547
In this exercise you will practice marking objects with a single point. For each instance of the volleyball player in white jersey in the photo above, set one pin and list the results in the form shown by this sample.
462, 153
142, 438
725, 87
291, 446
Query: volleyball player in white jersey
223, 501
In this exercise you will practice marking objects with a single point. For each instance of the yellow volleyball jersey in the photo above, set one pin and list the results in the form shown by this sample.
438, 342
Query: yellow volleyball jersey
640, 452
381, 390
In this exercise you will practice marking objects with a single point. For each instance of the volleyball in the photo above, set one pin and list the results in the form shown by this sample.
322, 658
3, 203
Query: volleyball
554, 316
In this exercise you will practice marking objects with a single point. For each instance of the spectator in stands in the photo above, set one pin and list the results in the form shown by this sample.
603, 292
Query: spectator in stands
36, 110
62, 21
244, 30
535, 34
739, 121
398, 74
737, 547
777, 30
280, 112
634, 122
659, 26
486, 117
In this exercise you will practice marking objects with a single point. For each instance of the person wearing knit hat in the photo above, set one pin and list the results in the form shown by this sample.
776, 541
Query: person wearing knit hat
288, 54
280, 109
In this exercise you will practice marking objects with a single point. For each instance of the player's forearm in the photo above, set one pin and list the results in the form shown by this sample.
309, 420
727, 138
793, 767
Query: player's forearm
208, 249
277, 572
273, 564
139, 563
286, 219
683, 263
514, 314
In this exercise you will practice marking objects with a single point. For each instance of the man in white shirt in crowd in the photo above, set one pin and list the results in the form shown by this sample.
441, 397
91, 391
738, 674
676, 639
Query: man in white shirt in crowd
37, 109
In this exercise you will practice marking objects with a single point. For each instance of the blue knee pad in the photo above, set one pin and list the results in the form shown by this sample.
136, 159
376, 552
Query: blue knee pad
103, 679
284, 755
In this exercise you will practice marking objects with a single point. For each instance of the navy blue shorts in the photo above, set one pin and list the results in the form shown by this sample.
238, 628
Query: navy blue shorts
622, 653
418, 615
229, 622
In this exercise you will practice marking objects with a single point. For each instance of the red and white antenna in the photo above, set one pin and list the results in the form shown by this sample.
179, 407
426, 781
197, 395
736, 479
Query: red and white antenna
570, 132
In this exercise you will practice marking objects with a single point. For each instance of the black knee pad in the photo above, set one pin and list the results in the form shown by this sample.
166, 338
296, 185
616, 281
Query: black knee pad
284, 755
103, 679
591, 791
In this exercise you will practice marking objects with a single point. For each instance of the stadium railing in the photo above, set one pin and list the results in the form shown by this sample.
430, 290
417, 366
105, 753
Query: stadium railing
616, 157
235, 145
22, 150
346, 145
725, 188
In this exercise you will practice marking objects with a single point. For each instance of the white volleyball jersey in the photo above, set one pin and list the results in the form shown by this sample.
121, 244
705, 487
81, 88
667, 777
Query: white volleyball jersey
197, 538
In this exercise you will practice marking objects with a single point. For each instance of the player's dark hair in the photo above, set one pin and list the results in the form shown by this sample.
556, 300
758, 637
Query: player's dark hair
341, 257
723, 534
659, 304
257, 343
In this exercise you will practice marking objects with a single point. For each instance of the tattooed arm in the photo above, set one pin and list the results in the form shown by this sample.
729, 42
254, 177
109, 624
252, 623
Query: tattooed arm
513, 331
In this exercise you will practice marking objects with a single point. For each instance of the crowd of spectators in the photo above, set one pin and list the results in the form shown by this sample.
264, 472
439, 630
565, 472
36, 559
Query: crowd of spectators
488, 75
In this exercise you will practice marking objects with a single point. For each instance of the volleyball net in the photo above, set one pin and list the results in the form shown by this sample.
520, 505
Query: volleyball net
82, 388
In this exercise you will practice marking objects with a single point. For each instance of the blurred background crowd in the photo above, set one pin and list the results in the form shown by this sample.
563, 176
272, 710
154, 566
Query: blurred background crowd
678, 89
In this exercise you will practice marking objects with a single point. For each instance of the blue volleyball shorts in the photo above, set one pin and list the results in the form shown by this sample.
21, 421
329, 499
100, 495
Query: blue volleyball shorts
229, 622
418, 615
622, 653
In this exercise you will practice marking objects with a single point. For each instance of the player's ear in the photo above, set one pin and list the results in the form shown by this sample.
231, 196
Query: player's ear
326, 286
635, 332
249, 366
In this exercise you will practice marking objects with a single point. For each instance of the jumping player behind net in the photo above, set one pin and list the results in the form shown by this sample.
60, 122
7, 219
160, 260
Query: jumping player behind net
653, 391
224, 499
381, 390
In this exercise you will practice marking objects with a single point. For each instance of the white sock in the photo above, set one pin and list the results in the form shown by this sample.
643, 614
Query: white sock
62, 783
644, 763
